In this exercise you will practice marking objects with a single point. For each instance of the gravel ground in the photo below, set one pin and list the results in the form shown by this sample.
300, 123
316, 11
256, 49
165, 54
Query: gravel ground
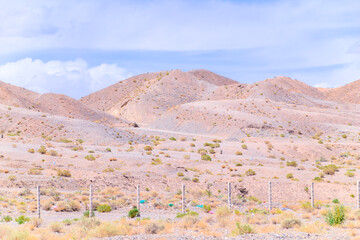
270, 236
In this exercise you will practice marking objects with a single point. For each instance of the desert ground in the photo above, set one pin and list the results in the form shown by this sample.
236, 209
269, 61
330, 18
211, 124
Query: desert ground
166, 129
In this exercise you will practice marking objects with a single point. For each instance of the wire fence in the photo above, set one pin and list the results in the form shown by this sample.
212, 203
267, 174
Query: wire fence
187, 197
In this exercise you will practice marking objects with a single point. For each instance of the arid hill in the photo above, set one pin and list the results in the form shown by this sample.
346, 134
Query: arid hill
145, 97
56, 104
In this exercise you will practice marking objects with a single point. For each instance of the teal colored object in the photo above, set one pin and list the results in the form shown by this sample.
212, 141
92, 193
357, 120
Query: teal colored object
171, 205
142, 201
200, 206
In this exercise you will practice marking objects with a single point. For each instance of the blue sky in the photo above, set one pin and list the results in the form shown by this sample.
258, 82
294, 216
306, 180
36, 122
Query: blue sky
76, 47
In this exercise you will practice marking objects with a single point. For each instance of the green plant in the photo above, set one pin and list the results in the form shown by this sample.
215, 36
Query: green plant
134, 212
289, 175
90, 157
63, 173
172, 139
86, 214
242, 229
250, 172
244, 146
206, 157
291, 164
335, 216
22, 219
103, 208
7, 219
335, 200
42, 150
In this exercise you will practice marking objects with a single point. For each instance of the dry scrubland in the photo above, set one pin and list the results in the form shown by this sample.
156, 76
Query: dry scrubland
165, 129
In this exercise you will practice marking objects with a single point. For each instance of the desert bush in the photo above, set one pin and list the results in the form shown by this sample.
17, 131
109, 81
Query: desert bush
154, 228
148, 148
22, 219
222, 212
289, 175
63, 173
206, 157
335, 216
242, 229
244, 146
31, 150
133, 212
290, 223
291, 164
36, 222
6, 219
238, 153
330, 169
349, 174
103, 208
53, 153
42, 150
250, 172
56, 227
90, 157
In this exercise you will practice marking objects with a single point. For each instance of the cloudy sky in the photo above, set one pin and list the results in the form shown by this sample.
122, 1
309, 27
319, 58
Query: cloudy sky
76, 47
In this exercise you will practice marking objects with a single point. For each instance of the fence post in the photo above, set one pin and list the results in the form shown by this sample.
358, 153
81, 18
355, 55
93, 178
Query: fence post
312, 195
183, 199
138, 198
90, 207
270, 197
229, 195
38, 201
358, 194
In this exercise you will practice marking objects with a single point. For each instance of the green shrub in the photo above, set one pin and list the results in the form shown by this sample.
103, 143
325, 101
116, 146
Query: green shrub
63, 173
148, 148
86, 214
330, 169
291, 164
289, 175
22, 219
7, 219
242, 229
335, 200
172, 139
250, 172
349, 174
90, 157
244, 146
42, 150
31, 150
133, 213
206, 157
335, 216
103, 208
191, 213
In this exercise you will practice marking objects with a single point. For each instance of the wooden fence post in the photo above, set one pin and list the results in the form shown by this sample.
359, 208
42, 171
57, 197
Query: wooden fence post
183, 199
90, 207
270, 197
138, 198
229, 195
38, 201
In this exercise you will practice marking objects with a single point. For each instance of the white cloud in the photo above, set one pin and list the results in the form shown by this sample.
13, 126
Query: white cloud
73, 78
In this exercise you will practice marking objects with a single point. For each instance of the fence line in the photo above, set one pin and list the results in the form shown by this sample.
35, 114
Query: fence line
269, 205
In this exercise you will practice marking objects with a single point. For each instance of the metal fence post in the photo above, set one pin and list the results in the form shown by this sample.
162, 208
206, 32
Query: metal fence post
90, 207
312, 195
229, 195
183, 199
270, 197
138, 198
38, 201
